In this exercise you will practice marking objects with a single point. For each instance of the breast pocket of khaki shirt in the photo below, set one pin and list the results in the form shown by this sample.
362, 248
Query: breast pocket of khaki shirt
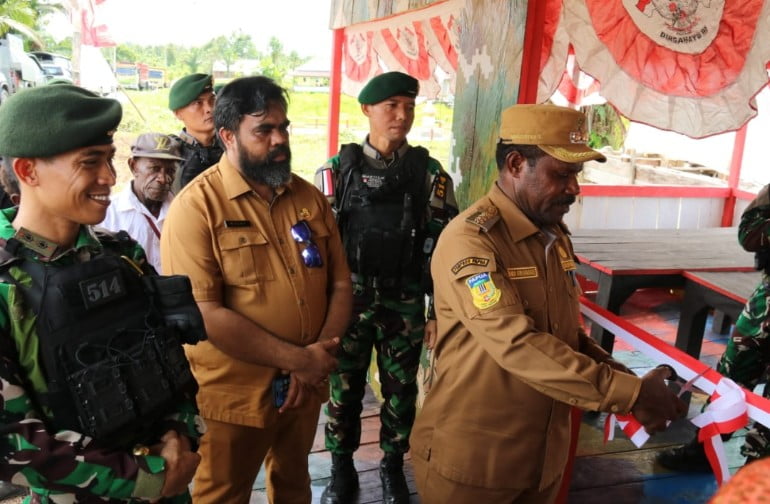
245, 257
320, 235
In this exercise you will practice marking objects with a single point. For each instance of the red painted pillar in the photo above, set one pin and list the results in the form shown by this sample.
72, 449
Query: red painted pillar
335, 85
530, 75
533, 44
734, 177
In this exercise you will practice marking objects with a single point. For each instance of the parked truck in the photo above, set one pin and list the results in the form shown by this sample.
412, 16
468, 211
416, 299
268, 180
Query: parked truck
17, 68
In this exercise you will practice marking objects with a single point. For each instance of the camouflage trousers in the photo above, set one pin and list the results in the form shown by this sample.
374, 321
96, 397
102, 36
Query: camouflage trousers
746, 360
395, 328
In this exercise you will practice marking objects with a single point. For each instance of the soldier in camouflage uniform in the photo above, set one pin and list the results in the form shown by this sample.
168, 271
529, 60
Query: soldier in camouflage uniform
192, 98
58, 140
747, 356
392, 200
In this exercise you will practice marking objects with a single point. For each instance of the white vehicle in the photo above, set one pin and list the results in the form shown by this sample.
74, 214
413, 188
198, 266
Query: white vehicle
55, 65
18, 69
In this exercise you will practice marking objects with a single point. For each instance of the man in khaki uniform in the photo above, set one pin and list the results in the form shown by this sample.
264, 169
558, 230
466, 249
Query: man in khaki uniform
265, 259
511, 355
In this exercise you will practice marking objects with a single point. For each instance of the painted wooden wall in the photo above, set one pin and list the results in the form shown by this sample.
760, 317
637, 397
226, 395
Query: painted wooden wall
487, 82
740, 206
347, 12
609, 212
489, 67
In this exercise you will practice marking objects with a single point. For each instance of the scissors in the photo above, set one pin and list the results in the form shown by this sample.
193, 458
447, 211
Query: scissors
686, 386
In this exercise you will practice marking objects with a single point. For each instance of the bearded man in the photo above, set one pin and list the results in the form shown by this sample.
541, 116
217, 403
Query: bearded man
268, 271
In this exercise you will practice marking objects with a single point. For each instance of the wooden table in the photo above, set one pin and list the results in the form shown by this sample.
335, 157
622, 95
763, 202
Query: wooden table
703, 290
623, 260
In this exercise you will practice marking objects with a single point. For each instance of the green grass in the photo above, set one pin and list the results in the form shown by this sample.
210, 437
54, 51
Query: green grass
147, 111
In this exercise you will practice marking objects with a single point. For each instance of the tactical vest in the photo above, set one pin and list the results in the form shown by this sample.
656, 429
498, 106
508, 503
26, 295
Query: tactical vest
380, 214
112, 359
196, 159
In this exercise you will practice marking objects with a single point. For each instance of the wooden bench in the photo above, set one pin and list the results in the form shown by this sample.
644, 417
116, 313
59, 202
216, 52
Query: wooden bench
621, 261
704, 290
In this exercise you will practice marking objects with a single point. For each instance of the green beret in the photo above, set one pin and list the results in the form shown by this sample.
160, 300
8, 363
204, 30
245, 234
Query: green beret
48, 120
188, 88
386, 85
59, 80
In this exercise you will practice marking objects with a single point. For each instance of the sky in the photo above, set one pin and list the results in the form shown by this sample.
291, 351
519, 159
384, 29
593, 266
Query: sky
301, 25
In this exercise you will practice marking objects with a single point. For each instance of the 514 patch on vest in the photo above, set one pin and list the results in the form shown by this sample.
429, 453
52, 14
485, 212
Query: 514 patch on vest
484, 292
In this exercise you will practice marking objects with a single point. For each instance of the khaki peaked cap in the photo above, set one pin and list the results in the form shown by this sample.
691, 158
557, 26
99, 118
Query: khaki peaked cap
188, 88
559, 131
157, 146
49, 120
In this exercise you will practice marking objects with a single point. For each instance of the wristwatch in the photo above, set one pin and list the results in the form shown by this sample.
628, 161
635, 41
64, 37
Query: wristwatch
141, 450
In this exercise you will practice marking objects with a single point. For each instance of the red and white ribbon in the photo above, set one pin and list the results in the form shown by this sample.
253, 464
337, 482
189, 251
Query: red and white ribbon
629, 425
726, 413
730, 405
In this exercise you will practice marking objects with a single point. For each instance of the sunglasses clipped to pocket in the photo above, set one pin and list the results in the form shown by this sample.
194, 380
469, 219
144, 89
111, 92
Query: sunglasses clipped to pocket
311, 254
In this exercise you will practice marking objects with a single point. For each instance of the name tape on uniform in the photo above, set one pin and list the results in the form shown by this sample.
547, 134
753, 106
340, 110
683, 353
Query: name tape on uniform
521, 273
469, 261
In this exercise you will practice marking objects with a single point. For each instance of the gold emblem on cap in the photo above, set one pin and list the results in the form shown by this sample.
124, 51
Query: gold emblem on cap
161, 143
304, 213
579, 136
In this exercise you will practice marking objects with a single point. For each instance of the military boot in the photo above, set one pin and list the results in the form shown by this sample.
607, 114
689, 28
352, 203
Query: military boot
343, 486
688, 458
394, 489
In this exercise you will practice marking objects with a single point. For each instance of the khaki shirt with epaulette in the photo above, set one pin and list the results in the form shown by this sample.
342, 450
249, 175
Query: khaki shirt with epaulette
238, 250
511, 356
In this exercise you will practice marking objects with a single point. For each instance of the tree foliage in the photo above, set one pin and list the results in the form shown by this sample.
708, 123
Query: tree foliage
21, 17
277, 64
28, 19
274, 61
231, 49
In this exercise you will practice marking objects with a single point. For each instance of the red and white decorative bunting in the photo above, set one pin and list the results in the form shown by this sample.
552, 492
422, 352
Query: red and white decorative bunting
412, 42
690, 66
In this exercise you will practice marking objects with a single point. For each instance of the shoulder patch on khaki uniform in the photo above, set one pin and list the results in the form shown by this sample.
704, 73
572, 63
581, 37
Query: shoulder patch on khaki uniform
484, 218
484, 292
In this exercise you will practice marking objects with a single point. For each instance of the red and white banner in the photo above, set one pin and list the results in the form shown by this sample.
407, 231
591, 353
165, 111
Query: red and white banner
576, 89
688, 26
414, 42
359, 57
94, 31
690, 66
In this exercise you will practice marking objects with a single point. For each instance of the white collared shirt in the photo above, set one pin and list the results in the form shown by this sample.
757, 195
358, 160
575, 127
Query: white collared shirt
127, 213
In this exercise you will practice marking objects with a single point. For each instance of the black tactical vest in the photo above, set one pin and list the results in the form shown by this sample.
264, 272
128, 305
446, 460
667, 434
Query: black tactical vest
112, 358
380, 215
196, 159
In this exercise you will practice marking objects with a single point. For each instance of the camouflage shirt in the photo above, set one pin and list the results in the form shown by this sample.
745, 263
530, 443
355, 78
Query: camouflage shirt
65, 466
754, 235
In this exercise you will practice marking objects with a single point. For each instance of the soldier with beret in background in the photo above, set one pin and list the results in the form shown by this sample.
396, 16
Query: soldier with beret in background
97, 400
192, 98
140, 209
511, 356
391, 200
